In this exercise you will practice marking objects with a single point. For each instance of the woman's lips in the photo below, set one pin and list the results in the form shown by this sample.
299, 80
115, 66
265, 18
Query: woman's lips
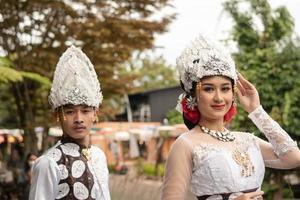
218, 107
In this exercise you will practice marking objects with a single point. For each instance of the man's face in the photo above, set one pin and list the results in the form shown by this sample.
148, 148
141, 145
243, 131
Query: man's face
77, 120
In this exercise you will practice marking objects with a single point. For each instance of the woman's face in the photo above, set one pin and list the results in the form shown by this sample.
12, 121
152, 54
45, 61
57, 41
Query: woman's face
214, 97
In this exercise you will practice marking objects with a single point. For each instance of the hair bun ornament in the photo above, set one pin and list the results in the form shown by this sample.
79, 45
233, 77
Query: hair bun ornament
189, 111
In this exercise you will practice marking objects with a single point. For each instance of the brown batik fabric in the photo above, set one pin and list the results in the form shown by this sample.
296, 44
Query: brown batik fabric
77, 181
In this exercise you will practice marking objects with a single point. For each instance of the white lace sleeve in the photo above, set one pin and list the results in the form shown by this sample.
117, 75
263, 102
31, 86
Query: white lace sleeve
279, 139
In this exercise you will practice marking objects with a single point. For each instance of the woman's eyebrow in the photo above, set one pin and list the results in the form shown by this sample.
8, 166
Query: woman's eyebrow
211, 84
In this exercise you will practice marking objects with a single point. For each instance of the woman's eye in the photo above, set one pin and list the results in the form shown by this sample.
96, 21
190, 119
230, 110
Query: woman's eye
208, 89
225, 89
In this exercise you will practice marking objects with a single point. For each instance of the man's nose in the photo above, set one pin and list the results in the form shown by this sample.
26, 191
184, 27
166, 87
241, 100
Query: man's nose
78, 117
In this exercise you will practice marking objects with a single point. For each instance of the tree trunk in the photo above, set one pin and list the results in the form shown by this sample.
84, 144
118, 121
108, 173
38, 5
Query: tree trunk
279, 181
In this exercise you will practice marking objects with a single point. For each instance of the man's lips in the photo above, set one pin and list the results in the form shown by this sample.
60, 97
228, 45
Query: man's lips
218, 107
79, 127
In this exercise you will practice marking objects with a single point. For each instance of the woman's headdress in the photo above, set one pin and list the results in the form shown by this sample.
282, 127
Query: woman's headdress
204, 58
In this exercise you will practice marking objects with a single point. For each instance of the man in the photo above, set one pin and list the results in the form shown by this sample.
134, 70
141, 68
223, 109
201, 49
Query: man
73, 169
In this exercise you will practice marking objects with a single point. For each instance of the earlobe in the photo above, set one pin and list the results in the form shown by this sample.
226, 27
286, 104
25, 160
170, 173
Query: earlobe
96, 116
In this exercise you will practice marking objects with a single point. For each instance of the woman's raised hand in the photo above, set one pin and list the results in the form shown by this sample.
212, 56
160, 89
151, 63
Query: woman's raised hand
247, 94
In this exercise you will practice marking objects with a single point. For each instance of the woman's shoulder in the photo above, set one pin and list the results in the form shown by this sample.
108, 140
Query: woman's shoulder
183, 141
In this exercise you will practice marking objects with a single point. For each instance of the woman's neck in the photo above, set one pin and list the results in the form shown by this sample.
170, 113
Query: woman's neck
217, 125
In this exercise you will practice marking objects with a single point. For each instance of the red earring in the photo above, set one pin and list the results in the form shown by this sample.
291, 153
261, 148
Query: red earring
231, 113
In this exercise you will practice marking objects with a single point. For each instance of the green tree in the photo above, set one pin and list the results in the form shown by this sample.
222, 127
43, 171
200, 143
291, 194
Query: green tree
269, 56
33, 34
152, 73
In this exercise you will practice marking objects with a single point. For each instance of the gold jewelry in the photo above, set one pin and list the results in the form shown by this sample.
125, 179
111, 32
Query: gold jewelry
199, 85
225, 135
235, 89
63, 114
242, 158
86, 153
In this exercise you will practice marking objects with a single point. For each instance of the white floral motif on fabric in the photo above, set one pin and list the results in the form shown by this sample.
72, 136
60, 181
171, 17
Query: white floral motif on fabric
204, 58
63, 190
214, 170
78, 168
63, 171
55, 154
75, 81
80, 191
70, 149
279, 139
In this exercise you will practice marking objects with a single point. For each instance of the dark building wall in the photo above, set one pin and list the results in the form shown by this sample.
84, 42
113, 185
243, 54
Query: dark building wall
161, 101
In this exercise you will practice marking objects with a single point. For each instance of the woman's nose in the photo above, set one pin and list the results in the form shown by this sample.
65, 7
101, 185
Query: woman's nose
218, 97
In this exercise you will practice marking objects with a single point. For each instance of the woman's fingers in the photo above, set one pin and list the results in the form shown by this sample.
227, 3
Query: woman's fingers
241, 89
255, 195
244, 82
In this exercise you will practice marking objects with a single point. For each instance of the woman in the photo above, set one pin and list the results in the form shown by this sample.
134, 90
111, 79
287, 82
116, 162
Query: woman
211, 161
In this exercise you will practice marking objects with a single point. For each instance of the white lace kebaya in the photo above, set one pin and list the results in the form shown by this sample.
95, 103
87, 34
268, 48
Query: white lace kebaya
210, 171
279, 139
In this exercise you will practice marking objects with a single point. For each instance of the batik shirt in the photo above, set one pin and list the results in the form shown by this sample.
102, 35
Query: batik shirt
64, 172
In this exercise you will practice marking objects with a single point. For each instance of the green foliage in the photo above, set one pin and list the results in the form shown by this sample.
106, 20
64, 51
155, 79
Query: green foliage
151, 73
149, 170
37, 78
7, 73
174, 117
33, 34
269, 56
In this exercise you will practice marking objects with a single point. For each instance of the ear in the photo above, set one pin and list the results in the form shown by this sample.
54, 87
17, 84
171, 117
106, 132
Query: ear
96, 113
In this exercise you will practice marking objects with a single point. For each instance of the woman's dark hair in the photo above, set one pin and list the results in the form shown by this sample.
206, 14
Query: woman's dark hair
190, 125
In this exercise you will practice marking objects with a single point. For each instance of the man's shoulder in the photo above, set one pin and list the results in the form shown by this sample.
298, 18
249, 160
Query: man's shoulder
53, 153
97, 150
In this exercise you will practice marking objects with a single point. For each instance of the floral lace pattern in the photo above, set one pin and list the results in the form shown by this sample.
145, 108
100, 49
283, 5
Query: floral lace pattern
215, 171
279, 139
204, 58
75, 81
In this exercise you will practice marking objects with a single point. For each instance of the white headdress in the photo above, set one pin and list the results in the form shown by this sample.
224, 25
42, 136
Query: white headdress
75, 81
204, 58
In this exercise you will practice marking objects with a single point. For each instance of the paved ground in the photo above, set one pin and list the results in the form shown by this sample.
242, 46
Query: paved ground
124, 188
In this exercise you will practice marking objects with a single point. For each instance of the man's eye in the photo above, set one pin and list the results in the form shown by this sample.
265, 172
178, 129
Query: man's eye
87, 110
69, 112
